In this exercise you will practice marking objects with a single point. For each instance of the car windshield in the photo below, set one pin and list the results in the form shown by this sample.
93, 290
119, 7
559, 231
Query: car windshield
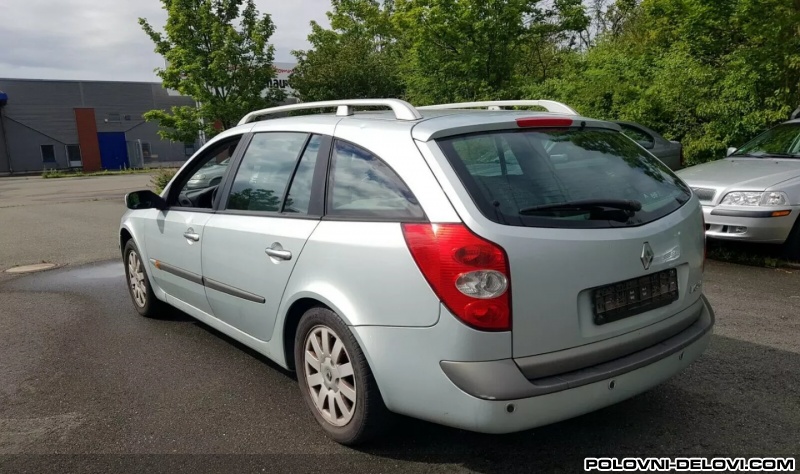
782, 141
571, 178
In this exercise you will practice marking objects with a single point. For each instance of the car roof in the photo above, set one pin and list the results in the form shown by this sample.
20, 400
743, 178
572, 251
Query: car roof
433, 123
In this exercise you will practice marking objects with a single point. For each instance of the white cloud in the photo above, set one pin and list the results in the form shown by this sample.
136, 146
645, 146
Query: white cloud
102, 40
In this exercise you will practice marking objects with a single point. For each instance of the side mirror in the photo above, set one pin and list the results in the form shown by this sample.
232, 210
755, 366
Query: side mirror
145, 199
731, 151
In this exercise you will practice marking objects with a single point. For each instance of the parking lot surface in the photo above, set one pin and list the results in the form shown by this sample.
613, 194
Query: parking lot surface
63, 220
86, 385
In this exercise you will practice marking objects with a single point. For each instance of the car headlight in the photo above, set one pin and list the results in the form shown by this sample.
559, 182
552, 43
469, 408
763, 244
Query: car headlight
748, 198
198, 177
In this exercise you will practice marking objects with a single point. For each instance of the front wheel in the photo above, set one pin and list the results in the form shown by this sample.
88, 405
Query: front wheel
791, 248
144, 300
335, 379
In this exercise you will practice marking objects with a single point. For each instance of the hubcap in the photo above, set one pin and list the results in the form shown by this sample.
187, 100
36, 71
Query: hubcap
329, 375
136, 279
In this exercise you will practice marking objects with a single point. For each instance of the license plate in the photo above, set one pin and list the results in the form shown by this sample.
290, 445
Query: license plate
631, 297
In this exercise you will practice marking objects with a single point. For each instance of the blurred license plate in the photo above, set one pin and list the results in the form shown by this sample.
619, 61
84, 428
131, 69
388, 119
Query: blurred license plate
632, 297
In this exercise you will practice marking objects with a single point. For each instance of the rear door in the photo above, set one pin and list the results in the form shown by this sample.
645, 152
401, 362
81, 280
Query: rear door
573, 269
267, 213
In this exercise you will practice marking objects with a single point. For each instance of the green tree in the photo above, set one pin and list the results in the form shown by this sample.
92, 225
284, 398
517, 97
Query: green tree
461, 50
710, 73
356, 58
218, 53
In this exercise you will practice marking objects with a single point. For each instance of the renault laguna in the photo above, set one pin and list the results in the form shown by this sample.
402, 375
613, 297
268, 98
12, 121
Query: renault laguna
487, 269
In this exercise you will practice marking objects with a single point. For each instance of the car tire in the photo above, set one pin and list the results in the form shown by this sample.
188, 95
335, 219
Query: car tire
142, 296
326, 367
791, 248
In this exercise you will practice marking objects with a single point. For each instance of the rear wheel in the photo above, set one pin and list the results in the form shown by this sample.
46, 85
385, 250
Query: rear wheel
142, 295
335, 379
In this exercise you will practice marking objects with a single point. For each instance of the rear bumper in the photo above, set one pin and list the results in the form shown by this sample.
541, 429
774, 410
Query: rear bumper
721, 223
503, 379
495, 397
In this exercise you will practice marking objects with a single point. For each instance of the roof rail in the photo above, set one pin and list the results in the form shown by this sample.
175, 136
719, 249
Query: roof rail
550, 105
402, 109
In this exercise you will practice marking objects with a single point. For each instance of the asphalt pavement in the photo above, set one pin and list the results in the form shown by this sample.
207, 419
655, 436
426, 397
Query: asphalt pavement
87, 385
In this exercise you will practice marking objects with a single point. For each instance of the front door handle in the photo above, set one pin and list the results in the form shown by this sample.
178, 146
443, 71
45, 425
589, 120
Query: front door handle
278, 253
190, 235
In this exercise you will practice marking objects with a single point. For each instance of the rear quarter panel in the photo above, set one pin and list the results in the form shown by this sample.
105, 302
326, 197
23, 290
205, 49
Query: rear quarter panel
365, 273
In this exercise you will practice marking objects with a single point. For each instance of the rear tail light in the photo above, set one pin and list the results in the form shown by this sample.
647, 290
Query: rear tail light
468, 273
526, 122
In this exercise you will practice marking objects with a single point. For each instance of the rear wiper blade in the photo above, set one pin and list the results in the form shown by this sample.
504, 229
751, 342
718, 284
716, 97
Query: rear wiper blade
621, 204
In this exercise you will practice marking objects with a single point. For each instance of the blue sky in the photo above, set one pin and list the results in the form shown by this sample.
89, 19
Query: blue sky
101, 39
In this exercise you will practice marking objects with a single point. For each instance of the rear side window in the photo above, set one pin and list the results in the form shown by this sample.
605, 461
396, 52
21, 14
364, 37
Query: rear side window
544, 178
363, 186
298, 200
265, 171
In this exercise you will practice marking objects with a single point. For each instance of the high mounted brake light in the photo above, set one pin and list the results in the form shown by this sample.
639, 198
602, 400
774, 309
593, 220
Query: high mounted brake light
468, 273
544, 122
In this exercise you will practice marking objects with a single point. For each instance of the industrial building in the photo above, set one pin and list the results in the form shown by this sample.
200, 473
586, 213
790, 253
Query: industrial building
89, 125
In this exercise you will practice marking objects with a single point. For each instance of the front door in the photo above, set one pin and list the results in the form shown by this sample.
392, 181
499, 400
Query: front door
173, 242
250, 246
174, 238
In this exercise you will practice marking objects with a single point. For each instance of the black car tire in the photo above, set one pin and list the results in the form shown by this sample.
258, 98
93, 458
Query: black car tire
370, 416
152, 307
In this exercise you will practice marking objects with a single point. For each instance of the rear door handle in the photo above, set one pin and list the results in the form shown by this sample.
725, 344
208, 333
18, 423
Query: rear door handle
278, 253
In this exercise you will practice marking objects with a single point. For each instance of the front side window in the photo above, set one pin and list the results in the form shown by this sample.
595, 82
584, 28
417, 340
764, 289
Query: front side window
363, 186
199, 184
782, 141
572, 178
265, 171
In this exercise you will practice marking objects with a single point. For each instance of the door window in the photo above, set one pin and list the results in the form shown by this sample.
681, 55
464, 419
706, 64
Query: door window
299, 198
363, 186
197, 187
265, 171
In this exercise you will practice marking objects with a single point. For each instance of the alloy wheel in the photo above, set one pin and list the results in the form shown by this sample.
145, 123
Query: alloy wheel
136, 279
329, 375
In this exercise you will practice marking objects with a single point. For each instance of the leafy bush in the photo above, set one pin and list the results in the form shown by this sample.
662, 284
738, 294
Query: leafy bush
161, 178
50, 173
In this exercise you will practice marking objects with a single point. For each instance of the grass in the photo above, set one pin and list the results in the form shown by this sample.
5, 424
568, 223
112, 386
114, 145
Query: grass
50, 174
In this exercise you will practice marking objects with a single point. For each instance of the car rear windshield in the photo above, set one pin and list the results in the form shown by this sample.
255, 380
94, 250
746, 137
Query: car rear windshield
564, 178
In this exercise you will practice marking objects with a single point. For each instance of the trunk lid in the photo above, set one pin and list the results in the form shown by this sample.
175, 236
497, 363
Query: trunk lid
554, 273
577, 209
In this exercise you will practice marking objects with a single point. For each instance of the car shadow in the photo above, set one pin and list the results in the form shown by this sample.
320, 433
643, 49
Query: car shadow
739, 399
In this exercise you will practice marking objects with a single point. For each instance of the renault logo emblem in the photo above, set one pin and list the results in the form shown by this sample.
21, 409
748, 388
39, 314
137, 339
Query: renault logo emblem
647, 256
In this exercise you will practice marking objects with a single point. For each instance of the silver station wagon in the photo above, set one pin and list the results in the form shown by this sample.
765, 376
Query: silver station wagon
487, 269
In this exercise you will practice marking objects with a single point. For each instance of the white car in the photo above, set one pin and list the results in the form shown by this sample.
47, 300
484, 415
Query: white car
754, 194
490, 270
